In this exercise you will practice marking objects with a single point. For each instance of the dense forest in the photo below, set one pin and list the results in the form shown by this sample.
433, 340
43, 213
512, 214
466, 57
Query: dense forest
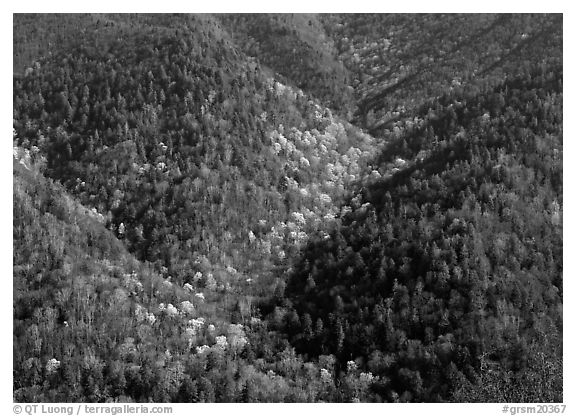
287, 208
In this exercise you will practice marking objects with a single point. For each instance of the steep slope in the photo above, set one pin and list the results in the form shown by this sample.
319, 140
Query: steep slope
296, 47
93, 324
446, 276
75, 288
398, 62
211, 228
208, 169
167, 137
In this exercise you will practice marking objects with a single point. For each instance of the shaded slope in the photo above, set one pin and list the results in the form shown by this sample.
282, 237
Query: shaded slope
447, 263
169, 128
209, 169
296, 47
451, 264
92, 324
399, 61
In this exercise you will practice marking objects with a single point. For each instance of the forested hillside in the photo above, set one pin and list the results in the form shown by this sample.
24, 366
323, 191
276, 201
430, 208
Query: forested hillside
449, 265
399, 62
92, 324
296, 47
201, 215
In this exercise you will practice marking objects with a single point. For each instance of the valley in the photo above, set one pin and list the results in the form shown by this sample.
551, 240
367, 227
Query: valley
288, 208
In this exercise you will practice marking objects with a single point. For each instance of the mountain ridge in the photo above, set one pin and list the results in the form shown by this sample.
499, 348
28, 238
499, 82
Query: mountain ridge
284, 253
